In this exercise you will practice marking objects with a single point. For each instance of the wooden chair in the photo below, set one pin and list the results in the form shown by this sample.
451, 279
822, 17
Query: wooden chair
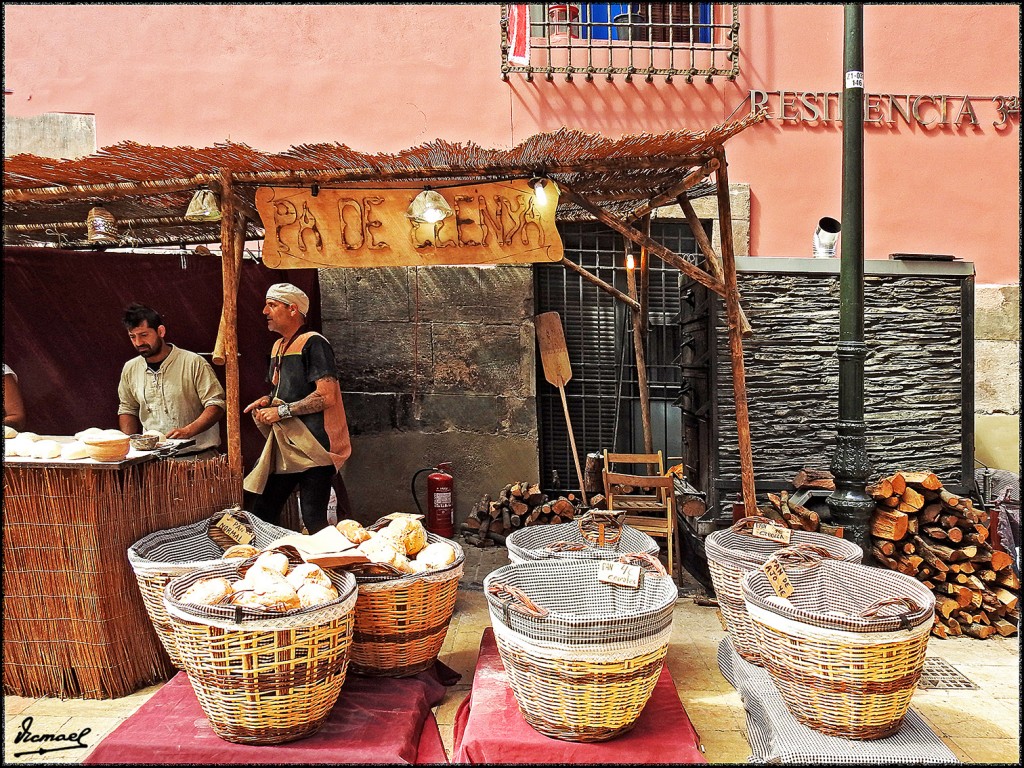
650, 506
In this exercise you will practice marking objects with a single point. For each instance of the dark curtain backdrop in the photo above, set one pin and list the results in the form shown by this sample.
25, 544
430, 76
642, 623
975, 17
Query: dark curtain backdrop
62, 331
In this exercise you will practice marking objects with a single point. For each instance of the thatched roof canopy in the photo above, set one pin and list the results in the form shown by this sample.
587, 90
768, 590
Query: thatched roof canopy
148, 189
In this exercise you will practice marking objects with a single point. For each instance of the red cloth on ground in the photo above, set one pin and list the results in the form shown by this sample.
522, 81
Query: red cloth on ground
376, 720
489, 728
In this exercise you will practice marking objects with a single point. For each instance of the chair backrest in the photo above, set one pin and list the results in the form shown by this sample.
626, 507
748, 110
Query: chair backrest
661, 484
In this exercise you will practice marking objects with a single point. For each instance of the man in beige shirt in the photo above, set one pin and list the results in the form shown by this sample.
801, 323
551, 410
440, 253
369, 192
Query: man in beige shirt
168, 388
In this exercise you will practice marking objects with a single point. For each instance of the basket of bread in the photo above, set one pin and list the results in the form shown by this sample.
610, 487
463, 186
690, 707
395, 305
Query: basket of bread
163, 555
265, 641
406, 594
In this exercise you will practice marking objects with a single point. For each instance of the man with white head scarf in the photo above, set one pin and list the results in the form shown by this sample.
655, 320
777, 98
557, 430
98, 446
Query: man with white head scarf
303, 417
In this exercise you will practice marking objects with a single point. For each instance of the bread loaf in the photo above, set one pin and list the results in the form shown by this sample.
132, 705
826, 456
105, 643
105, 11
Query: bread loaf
353, 531
9, 432
272, 561
272, 597
242, 551
45, 449
207, 592
409, 533
437, 555
307, 573
73, 451
316, 594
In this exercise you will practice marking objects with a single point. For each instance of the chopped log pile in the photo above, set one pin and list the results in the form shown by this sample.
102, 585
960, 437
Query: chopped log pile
921, 529
783, 511
518, 505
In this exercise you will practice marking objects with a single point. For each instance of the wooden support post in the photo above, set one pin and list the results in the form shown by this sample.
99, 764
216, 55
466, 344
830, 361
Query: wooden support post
714, 263
732, 306
641, 361
229, 282
659, 250
644, 286
592, 278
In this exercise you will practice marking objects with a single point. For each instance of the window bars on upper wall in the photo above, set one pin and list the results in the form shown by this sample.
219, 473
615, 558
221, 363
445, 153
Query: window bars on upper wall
644, 39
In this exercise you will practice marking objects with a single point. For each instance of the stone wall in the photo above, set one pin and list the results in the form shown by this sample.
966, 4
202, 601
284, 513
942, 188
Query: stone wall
54, 134
436, 364
997, 376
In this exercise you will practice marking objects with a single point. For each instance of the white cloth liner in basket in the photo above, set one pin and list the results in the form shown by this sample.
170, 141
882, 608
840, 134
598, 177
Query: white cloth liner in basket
540, 542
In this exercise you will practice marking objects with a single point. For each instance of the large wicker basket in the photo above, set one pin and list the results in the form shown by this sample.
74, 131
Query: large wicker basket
163, 555
733, 552
595, 535
263, 677
847, 647
582, 655
402, 619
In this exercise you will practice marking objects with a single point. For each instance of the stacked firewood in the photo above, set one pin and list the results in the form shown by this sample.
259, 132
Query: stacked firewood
921, 529
518, 505
784, 511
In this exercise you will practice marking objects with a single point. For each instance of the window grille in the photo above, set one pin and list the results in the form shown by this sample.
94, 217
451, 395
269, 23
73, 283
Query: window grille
645, 39
603, 395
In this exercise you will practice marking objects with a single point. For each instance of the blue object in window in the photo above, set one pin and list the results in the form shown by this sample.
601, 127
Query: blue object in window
597, 18
704, 16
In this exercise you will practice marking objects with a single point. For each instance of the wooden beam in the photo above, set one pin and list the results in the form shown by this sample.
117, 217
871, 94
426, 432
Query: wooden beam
714, 263
122, 224
452, 172
641, 360
110, 191
591, 277
692, 179
732, 306
663, 253
229, 282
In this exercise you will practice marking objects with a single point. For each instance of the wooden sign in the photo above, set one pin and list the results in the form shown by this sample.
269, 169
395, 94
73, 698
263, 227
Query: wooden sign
493, 223
235, 529
771, 532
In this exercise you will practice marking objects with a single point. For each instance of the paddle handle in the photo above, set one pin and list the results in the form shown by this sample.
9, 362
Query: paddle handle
572, 442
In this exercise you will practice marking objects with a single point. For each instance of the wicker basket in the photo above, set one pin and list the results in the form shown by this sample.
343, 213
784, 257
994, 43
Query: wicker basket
595, 535
402, 619
263, 677
846, 648
163, 555
582, 656
733, 552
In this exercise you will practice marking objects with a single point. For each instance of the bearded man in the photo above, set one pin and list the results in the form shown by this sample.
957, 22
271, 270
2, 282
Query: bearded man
168, 389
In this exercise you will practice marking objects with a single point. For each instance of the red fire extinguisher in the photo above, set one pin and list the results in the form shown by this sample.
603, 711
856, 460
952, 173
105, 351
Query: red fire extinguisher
440, 499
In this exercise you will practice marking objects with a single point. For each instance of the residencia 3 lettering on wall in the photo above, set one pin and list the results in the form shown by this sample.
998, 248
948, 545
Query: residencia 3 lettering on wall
884, 108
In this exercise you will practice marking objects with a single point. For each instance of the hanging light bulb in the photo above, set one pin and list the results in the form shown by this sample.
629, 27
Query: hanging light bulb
629, 261
429, 206
203, 207
538, 185
101, 226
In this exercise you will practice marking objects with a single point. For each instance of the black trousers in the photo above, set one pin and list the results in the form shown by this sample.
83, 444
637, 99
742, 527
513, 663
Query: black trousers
314, 486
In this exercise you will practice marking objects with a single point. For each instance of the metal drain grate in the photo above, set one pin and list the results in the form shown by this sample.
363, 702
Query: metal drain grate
940, 674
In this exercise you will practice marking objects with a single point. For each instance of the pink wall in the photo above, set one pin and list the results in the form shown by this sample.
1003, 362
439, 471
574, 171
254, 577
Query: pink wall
383, 78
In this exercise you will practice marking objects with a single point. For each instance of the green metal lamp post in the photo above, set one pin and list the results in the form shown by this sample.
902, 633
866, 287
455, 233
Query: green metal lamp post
850, 504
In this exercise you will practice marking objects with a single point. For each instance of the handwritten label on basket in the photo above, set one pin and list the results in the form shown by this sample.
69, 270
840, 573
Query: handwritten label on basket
777, 578
771, 532
623, 574
234, 529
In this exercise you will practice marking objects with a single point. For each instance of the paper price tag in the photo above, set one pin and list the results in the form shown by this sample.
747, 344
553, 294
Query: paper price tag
234, 529
777, 578
771, 532
623, 574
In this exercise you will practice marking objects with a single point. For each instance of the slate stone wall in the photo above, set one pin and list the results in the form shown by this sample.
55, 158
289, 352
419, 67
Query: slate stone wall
436, 364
